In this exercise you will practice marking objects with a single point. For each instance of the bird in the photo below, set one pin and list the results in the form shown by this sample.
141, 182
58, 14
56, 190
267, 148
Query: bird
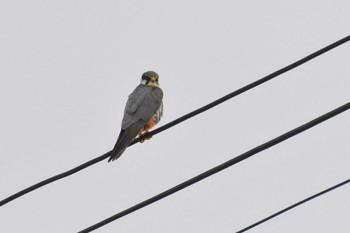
143, 110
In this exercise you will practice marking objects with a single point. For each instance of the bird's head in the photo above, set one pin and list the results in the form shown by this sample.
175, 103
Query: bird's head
150, 78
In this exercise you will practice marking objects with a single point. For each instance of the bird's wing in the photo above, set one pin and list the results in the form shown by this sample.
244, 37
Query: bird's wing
124, 139
142, 103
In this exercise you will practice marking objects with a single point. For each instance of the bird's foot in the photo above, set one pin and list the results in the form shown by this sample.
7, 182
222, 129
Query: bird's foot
147, 136
144, 136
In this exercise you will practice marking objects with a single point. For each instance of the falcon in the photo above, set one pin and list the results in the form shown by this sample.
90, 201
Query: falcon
143, 110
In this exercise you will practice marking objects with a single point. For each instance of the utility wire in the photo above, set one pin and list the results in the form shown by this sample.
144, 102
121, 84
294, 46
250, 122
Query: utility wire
181, 119
221, 167
294, 205
247, 87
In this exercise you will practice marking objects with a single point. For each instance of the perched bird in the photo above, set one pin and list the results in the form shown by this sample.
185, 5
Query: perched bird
143, 110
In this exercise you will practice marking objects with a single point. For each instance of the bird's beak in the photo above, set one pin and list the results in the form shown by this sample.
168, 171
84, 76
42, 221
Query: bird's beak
153, 79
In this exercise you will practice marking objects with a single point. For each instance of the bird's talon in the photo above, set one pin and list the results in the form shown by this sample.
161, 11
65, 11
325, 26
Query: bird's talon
142, 138
147, 136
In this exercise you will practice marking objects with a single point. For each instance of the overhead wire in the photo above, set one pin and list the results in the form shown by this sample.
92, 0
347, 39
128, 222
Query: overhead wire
294, 205
221, 167
179, 120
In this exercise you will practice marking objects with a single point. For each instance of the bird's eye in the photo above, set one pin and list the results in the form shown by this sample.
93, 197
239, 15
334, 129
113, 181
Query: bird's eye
145, 78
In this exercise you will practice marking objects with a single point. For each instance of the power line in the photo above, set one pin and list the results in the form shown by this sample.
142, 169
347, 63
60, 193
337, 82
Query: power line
294, 205
181, 119
248, 87
221, 167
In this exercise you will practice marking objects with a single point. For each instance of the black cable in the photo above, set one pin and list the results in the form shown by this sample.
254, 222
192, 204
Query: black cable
295, 205
54, 178
221, 167
248, 87
181, 119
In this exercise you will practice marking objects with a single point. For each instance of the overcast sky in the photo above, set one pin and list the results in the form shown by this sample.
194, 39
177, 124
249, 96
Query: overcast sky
67, 68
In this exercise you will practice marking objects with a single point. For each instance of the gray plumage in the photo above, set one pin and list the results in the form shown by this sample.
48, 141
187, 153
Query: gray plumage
144, 102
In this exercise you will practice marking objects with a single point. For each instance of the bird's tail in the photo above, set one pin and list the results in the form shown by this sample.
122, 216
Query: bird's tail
125, 138
115, 155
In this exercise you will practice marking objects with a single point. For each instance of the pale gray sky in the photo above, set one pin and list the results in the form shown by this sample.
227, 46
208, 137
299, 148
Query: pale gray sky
67, 68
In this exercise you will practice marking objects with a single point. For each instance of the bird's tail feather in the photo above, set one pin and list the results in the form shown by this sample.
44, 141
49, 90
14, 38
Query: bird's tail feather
125, 138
